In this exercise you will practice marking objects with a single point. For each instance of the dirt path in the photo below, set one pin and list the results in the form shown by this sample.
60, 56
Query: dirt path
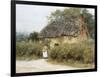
39, 66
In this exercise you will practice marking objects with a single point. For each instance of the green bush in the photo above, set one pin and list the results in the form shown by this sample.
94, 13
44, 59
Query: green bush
82, 52
28, 48
88, 55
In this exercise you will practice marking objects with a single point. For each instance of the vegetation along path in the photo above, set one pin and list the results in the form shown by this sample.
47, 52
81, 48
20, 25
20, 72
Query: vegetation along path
39, 66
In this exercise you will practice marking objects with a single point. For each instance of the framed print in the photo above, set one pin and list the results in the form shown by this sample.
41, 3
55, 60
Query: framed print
52, 38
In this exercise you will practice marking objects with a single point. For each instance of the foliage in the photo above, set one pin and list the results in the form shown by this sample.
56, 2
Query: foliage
21, 36
64, 20
33, 36
63, 15
28, 49
82, 52
90, 22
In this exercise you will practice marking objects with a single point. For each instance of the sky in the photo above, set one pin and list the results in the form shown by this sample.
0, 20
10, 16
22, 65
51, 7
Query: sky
30, 18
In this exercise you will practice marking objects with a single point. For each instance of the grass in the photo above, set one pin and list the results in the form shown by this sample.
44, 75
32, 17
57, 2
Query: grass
71, 63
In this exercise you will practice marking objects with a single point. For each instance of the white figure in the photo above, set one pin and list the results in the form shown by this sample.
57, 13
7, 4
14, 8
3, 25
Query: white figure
45, 51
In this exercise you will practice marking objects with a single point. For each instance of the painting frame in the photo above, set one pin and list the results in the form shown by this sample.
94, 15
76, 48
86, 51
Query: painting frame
13, 37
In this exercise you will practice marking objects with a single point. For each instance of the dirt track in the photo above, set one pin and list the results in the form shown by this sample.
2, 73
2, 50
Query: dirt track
39, 66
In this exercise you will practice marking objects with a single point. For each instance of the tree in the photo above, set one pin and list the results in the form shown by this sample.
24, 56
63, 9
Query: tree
21, 36
69, 16
90, 22
33, 36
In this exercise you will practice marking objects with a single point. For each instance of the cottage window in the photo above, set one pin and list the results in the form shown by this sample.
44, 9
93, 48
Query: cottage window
56, 44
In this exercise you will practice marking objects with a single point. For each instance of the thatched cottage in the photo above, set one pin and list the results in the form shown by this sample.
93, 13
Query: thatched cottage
72, 31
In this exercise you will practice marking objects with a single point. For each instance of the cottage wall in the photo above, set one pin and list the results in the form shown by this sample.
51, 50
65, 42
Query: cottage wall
70, 39
62, 40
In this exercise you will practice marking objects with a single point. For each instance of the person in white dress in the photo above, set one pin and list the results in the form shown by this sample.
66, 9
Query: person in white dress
45, 52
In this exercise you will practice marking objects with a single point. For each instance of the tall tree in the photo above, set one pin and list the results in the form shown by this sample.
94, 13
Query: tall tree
21, 36
33, 36
90, 22
69, 16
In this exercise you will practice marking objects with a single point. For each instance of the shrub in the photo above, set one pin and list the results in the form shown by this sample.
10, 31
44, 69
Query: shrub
88, 55
82, 52
28, 48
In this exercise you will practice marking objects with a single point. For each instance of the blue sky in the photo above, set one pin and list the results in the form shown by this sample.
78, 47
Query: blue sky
31, 18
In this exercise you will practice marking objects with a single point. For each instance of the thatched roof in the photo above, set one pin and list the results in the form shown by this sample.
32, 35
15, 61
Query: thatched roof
61, 28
